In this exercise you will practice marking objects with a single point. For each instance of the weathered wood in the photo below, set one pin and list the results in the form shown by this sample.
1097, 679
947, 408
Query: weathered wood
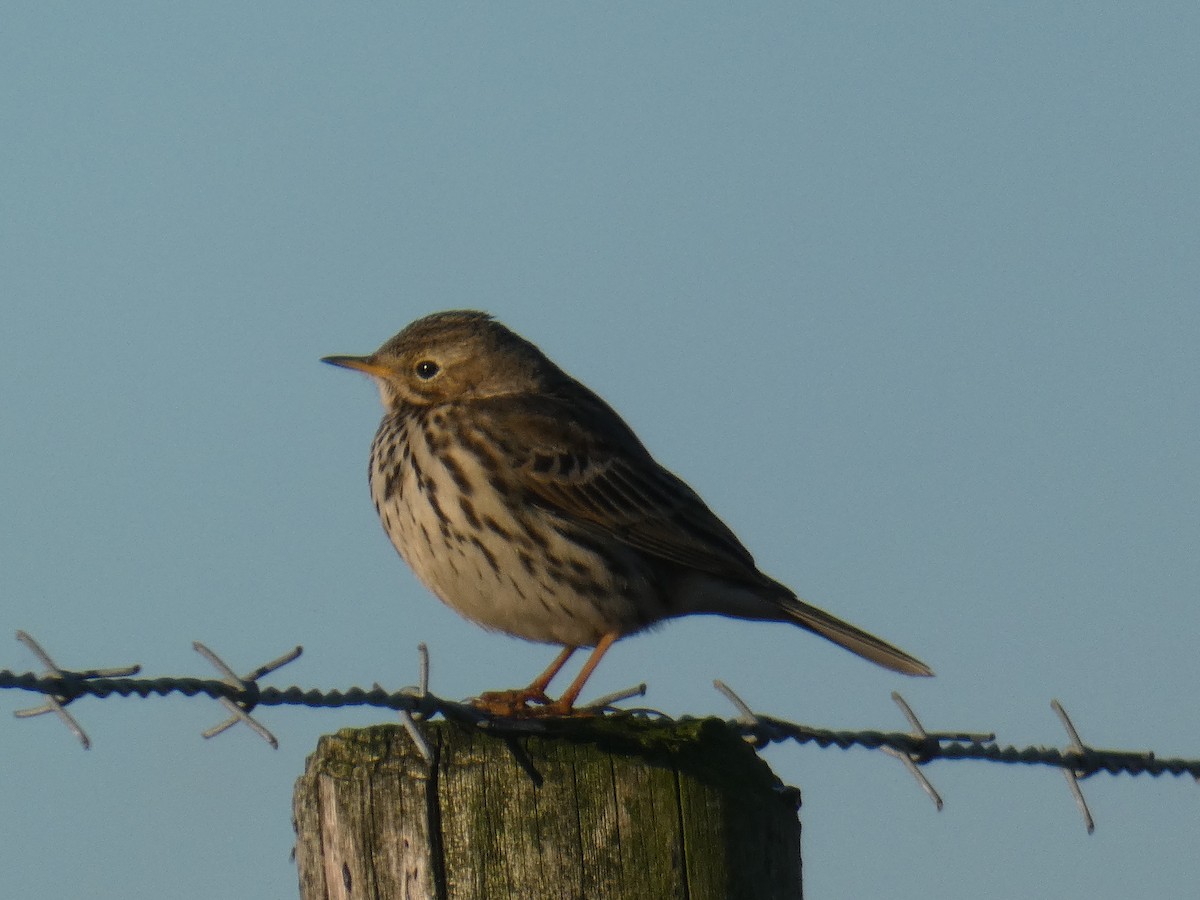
608, 808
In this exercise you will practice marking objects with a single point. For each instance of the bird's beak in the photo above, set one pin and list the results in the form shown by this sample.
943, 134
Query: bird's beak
362, 363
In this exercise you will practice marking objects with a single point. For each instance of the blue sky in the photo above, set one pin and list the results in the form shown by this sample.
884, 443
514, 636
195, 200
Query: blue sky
907, 292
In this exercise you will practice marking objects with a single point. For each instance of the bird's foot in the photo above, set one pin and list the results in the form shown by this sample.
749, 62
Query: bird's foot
525, 703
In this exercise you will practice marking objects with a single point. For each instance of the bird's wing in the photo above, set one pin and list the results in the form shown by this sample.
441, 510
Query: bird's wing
579, 459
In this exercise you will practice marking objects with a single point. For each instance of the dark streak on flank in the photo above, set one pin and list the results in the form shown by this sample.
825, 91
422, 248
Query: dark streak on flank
487, 554
527, 562
496, 528
457, 475
468, 510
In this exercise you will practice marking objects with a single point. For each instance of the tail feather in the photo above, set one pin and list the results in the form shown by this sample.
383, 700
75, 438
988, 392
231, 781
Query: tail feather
853, 638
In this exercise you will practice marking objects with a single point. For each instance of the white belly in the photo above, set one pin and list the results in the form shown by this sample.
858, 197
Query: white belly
478, 556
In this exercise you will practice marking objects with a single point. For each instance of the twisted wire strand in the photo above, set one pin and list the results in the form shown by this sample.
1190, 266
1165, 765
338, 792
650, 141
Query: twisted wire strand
1089, 761
762, 729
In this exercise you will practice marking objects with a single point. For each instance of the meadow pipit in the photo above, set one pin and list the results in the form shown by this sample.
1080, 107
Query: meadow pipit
524, 502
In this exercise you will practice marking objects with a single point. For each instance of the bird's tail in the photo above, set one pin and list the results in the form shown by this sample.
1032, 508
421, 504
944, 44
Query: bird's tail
852, 638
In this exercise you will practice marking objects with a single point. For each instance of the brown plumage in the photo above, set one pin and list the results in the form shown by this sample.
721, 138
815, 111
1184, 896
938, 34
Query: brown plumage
524, 502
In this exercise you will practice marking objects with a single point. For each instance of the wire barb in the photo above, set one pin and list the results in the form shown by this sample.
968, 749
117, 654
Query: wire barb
423, 670
278, 663
1076, 749
414, 733
247, 689
940, 736
746, 716
408, 718
609, 700
910, 760
71, 687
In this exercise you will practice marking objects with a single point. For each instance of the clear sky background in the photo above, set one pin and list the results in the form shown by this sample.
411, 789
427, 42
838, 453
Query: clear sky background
908, 292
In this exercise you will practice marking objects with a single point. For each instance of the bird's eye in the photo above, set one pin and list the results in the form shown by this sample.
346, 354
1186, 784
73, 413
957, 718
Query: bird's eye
426, 369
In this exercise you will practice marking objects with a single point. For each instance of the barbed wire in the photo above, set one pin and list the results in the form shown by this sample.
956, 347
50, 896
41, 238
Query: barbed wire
240, 695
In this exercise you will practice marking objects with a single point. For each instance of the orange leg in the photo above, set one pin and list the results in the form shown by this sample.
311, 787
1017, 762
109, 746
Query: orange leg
565, 705
537, 690
516, 703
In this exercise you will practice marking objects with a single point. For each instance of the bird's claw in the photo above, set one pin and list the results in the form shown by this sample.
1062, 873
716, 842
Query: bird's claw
525, 703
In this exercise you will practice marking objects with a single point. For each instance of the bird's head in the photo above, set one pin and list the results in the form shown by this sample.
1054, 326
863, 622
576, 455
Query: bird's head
452, 356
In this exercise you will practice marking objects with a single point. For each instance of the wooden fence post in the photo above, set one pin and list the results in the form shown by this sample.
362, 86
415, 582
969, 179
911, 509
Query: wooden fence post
616, 808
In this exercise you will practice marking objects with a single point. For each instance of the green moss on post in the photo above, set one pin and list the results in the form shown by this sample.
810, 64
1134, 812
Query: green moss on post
606, 808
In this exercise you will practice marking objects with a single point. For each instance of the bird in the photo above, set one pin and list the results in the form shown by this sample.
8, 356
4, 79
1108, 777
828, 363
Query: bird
525, 503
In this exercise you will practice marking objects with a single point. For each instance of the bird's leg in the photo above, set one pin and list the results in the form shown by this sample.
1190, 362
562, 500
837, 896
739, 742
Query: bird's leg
516, 702
565, 705
537, 690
